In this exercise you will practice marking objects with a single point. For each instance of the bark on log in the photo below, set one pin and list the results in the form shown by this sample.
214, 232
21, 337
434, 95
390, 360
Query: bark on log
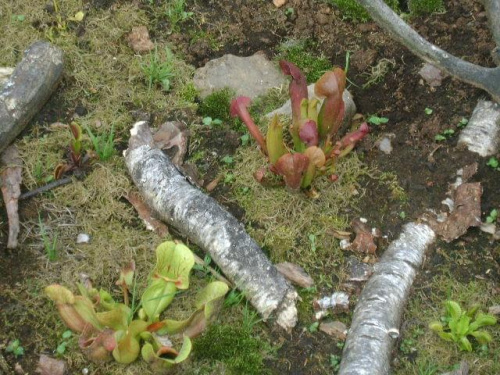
377, 317
487, 79
201, 219
28, 88
482, 133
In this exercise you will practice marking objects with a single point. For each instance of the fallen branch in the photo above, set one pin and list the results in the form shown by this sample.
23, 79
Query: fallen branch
487, 79
377, 317
28, 88
202, 220
42, 189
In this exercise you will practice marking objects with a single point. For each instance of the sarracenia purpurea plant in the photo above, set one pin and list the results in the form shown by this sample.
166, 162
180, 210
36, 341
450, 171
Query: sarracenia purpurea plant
315, 146
124, 331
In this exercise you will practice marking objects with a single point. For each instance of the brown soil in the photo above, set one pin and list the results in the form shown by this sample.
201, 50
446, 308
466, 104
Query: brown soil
245, 27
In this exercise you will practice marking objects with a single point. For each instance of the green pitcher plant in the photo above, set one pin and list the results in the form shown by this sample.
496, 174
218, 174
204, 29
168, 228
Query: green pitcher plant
314, 128
123, 331
457, 325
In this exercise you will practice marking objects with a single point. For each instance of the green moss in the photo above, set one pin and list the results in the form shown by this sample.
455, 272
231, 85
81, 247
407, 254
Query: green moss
235, 346
351, 10
419, 7
217, 104
303, 54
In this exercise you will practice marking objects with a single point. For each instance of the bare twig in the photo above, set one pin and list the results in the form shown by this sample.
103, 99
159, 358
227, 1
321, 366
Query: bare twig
45, 188
487, 79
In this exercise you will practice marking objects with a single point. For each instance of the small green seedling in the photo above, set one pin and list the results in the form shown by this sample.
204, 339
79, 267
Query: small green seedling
209, 121
402, 215
204, 268
375, 120
229, 178
234, 297
228, 160
493, 163
335, 362
176, 13
312, 241
458, 324
448, 133
245, 138
428, 111
15, 348
463, 123
492, 217
49, 245
313, 327
61, 348
289, 12
104, 144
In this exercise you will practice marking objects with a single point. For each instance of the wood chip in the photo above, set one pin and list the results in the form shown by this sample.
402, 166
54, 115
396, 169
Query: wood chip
336, 329
295, 274
146, 215
11, 190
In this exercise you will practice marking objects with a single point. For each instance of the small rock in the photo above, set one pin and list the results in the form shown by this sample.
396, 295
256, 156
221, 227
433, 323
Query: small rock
249, 76
494, 310
139, 40
385, 145
335, 329
358, 271
432, 75
83, 238
279, 3
50, 366
295, 274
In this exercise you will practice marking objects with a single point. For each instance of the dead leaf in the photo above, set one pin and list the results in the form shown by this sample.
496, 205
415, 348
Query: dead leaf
213, 184
139, 40
11, 190
335, 329
364, 241
146, 215
295, 274
466, 212
50, 366
172, 134
339, 234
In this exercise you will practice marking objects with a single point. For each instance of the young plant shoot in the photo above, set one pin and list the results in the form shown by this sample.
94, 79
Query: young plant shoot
315, 146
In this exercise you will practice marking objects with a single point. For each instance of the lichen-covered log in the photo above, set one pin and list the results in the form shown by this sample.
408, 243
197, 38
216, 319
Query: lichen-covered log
28, 88
202, 220
377, 317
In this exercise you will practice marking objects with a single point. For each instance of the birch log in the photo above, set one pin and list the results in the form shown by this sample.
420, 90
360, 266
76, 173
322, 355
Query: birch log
28, 88
202, 220
377, 317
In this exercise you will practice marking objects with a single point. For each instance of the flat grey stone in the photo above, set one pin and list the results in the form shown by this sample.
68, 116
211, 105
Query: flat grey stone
249, 76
